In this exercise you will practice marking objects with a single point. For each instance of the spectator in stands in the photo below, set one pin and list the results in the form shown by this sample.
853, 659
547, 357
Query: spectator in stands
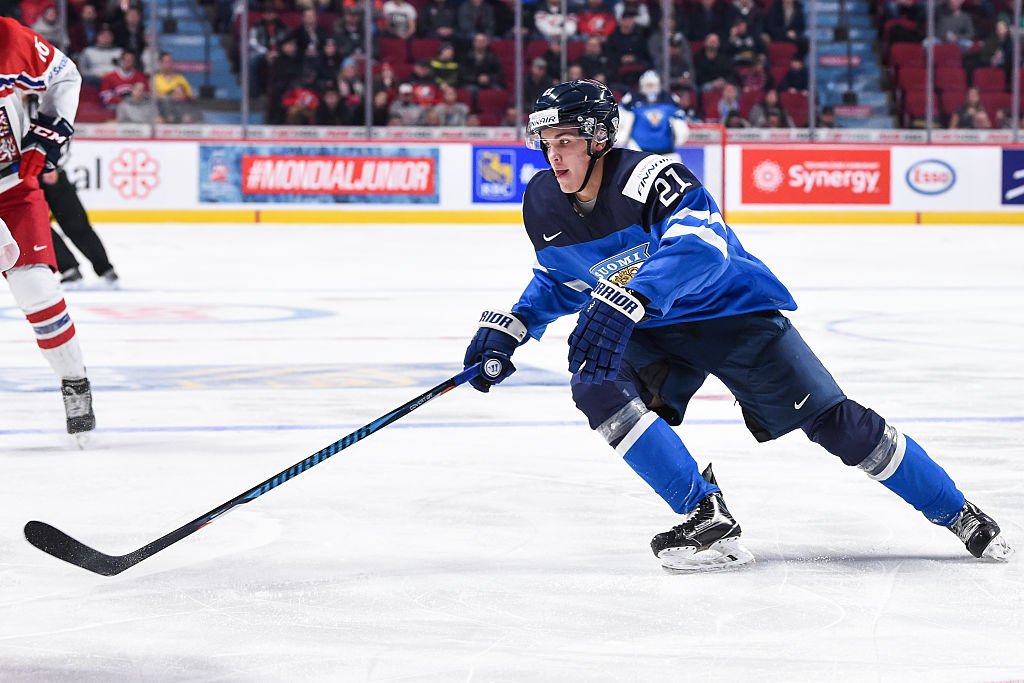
265, 38
734, 119
301, 102
424, 84
167, 79
784, 21
536, 81
129, 33
510, 119
138, 107
750, 12
743, 47
399, 19
328, 62
688, 104
439, 20
626, 48
83, 32
997, 50
350, 83
705, 17
680, 58
963, 117
827, 117
405, 109
553, 56
348, 31
755, 77
96, 61
473, 120
549, 23
914, 10
481, 68
476, 16
637, 8
450, 111
386, 82
331, 111
596, 19
1004, 119
285, 70
309, 35
796, 77
444, 66
379, 111
575, 73
955, 26
981, 120
178, 107
761, 112
431, 118
594, 61
117, 84
713, 67
48, 25
729, 100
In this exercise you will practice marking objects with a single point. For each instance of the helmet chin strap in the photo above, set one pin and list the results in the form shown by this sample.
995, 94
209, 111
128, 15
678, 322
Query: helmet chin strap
590, 166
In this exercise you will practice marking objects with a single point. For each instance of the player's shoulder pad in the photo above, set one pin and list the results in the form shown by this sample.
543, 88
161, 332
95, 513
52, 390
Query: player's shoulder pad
641, 180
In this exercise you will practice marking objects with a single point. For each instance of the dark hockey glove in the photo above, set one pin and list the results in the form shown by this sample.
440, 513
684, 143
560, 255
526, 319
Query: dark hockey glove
43, 144
497, 337
602, 331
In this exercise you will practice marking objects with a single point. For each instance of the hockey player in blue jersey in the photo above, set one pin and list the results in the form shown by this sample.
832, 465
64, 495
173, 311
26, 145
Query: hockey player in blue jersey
666, 295
652, 120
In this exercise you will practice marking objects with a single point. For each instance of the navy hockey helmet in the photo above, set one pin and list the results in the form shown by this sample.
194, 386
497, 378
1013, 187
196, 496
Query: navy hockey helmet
585, 104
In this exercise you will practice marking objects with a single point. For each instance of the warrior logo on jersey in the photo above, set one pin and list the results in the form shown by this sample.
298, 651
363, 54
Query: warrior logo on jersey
8, 145
621, 268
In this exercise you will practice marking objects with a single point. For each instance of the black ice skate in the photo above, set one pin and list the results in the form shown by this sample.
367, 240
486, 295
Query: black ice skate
71, 278
110, 280
78, 407
980, 533
707, 540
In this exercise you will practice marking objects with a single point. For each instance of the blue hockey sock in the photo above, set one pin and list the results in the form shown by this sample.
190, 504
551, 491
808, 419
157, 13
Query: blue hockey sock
655, 452
913, 476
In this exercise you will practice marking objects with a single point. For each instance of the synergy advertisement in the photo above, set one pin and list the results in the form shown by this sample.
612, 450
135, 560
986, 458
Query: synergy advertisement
276, 173
815, 175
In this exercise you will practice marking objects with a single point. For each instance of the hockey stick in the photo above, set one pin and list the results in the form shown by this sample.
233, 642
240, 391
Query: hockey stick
51, 540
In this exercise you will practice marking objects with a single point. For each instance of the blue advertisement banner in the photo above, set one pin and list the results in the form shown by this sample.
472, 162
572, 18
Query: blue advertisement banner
502, 172
327, 174
1013, 176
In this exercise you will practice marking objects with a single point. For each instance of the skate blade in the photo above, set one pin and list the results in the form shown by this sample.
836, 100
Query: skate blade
998, 549
719, 556
82, 439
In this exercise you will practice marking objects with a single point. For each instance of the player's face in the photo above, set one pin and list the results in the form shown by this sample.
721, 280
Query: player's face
567, 153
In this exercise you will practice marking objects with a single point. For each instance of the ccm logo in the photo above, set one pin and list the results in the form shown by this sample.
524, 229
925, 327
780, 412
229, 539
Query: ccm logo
48, 134
931, 176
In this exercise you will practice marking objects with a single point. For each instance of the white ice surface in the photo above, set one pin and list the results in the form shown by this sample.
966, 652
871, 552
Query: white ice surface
494, 538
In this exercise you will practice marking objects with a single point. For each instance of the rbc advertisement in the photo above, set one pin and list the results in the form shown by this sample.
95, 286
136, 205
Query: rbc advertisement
501, 173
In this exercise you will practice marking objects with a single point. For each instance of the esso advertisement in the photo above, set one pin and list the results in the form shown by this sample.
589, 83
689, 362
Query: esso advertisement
930, 177
819, 175
943, 178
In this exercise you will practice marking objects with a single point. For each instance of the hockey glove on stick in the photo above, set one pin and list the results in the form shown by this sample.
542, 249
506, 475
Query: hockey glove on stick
43, 144
497, 337
602, 331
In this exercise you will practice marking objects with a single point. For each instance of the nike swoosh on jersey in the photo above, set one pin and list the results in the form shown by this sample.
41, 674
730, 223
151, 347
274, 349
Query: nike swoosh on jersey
548, 239
37, 247
800, 404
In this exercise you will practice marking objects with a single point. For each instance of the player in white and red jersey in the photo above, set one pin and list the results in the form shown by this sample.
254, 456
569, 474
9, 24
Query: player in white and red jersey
28, 146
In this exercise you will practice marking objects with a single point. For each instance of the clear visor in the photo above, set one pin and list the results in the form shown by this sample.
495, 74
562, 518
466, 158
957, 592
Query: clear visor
544, 138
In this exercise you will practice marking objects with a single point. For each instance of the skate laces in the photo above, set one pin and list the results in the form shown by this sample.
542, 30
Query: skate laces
965, 525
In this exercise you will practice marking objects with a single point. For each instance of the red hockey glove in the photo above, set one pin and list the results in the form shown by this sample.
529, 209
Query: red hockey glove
43, 144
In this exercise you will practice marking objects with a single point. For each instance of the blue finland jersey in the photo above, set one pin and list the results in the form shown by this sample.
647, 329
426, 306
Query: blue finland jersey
654, 229
652, 128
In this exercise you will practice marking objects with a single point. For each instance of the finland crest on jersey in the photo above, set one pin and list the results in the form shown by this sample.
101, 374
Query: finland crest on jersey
621, 268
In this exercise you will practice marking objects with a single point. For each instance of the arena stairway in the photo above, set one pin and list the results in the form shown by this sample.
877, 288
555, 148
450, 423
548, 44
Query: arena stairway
848, 73
192, 43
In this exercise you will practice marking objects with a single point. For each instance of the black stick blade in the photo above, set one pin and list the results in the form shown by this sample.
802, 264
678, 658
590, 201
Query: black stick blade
53, 541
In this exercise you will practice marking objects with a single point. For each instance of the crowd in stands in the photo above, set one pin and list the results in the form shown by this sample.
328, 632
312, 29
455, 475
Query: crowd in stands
973, 61
452, 62
122, 78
